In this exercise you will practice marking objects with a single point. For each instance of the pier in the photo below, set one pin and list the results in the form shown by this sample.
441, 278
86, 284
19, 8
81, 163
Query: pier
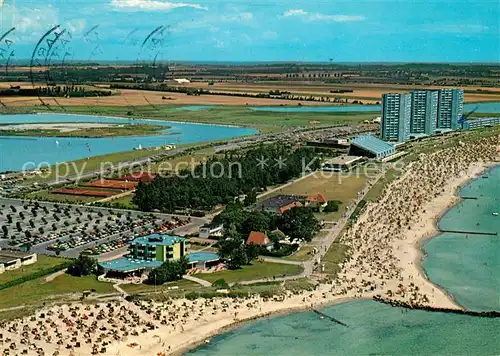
329, 317
469, 232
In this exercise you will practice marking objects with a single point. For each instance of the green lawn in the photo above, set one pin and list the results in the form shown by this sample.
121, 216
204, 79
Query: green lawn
183, 285
334, 186
335, 255
257, 270
36, 292
305, 252
124, 202
377, 189
44, 262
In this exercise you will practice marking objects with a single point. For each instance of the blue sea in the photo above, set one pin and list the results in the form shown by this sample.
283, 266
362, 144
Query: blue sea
468, 267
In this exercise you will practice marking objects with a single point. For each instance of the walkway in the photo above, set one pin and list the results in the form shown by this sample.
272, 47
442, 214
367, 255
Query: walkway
120, 290
197, 280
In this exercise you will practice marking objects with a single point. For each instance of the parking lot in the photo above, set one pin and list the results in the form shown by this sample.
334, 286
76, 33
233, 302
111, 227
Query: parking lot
67, 230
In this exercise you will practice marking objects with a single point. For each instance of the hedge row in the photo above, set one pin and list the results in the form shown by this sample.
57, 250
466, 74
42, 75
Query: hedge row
36, 275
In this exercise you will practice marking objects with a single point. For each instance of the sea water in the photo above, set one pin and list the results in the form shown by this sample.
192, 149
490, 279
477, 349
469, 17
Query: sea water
467, 267
372, 329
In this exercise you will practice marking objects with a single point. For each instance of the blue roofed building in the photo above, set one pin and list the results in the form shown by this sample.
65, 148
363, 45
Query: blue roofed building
148, 252
371, 146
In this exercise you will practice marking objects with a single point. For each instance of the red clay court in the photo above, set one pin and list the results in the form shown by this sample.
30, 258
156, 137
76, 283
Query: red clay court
112, 184
84, 192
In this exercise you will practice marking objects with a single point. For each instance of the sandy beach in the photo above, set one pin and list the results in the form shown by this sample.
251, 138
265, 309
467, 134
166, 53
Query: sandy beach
385, 257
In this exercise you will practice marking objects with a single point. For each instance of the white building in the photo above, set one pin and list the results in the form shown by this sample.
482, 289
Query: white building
10, 260
212, 230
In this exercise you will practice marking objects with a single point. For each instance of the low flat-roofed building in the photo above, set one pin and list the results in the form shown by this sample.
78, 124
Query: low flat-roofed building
370, 146
481, 122
129, 265
203, 260
211, 230
27, 258
10, 263
280, 203
341, 163
10, 260
341, 143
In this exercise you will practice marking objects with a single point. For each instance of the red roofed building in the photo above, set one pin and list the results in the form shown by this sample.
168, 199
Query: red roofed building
258, 238
317, 200
283, 209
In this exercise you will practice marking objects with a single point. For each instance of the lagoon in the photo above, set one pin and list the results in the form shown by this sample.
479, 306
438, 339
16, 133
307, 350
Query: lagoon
15, 152
487, 107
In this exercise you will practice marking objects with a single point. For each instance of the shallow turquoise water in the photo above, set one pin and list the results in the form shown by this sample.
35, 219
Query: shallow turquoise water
373, 329
29, 152
467, 267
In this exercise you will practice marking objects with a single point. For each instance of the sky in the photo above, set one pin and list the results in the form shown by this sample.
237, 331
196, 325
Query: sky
252, 30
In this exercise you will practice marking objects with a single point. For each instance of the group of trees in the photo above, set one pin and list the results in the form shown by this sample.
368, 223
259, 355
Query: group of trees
221, 180
297, 223
169, 271
83, 266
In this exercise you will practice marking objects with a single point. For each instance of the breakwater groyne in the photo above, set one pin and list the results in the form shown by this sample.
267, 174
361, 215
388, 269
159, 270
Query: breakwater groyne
489, 233
331, 318
400, 304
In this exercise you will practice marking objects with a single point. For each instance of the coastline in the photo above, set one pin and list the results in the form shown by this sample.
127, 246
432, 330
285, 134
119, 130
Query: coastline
434, 211
236, 324
427, 229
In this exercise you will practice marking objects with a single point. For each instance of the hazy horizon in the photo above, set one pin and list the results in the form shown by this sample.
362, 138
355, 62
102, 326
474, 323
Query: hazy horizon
375, 31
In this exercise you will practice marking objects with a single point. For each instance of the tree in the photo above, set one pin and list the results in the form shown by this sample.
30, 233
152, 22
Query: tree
252, 251
237, 258
169, 271
299, 223
332, 206
5, 231
83, 266
251, 198
256, 221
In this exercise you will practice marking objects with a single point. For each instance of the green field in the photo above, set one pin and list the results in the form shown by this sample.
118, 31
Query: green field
257, 270
44, 262
305, 252
334, 186
37, 291
183, 284
335, 255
